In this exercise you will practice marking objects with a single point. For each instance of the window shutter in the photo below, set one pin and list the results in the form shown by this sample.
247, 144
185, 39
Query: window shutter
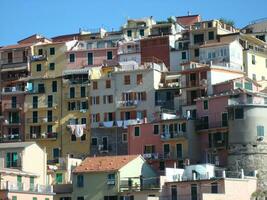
113, 116
105, 116
97, 100
122, 115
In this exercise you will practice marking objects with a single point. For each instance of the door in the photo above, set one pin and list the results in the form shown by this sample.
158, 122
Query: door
31, 183
105, 143
19, 182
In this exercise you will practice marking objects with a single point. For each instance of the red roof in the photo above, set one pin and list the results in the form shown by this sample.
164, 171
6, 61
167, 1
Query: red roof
104, 164
188, 20
17, 46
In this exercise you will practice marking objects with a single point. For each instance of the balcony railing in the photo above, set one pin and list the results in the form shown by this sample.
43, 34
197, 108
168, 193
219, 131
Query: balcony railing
12, 106
139, 184
247, 101
42, 120
161, 156
50, 135
173, 135
202, 125
38, 57
11, 137
15, 89
76, 81
128, 104
23, 187
14, 62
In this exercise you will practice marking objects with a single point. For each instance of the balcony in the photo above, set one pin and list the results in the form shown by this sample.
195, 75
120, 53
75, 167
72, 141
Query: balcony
14, 122
12, 106
204, 125
42, 120
13, 90
42, 136
25, 187
128, 50
247, 101
14, 64
76, 81
39, 58
127, 104
173, 135
139, 184
11, 138
161, 156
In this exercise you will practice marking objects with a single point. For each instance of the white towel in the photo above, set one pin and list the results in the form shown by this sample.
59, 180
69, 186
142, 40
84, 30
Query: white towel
125, 123
108, 124
119, 123
79, 130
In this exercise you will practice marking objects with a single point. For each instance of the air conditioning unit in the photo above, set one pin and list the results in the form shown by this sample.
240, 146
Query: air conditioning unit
111, 182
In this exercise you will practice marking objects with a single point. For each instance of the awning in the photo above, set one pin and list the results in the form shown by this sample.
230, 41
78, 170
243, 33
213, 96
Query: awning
171, 77
76, 71
10, 69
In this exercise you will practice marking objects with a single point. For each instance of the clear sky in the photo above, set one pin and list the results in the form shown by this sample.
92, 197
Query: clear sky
22, 18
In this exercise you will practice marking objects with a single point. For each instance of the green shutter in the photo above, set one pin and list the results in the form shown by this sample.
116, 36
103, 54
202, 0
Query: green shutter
59, 178
8, 157
14, 197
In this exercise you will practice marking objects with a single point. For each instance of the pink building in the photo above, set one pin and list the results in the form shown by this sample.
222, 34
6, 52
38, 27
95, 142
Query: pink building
212, 119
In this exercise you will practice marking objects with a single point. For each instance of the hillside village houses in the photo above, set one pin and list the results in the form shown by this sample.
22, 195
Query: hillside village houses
157, 110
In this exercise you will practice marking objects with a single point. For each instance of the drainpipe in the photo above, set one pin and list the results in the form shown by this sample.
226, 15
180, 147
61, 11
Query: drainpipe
61, 115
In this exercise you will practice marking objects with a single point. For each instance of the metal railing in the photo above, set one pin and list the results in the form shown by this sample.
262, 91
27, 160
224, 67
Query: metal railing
248, 101
125, 104
173, 135
42, 120
202, 125
49, 135
23, 187
14, 60
13, 89
13, 106
139, 183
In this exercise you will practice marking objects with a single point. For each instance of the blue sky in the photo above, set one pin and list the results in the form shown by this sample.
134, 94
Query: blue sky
22, 18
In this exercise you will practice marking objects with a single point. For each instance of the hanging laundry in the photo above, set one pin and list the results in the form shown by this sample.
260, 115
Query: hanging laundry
119, 123
108, 124
79, 130
72, 128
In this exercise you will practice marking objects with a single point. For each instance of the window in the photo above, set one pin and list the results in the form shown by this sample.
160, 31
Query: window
13, 101
49, 116
41, 88
139, 79
183, 127
40, 51
34, 198
196, 52
80, 180
95, 85
179, 151
59, 178
124, 137
94, 141
35, 102
209, 24
50, 101
83, 138
136, 131
142, 32
166, 149
254, 77
82, 91
206, 104
54, 86
239, 113
183, 55
214, 188
111, 177
161, 165
72, 57
127, 80
80, 198
52, 66
198, 39
173, 192
211, 35
12, 159
90, 58
248, 86
49, 128
72, 92
52, 51
73, 137
84, 105
253, 59
129, 33
35, 116
39, 67
194, 192
31, 183
109, 55
56, 153
95, 117
108, 83
224, 119
260, 131
94, 100
156, 129
14, 197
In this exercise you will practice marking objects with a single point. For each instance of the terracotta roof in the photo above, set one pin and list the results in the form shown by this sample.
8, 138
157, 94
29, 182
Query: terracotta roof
187, 20
104, 164
17, 46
